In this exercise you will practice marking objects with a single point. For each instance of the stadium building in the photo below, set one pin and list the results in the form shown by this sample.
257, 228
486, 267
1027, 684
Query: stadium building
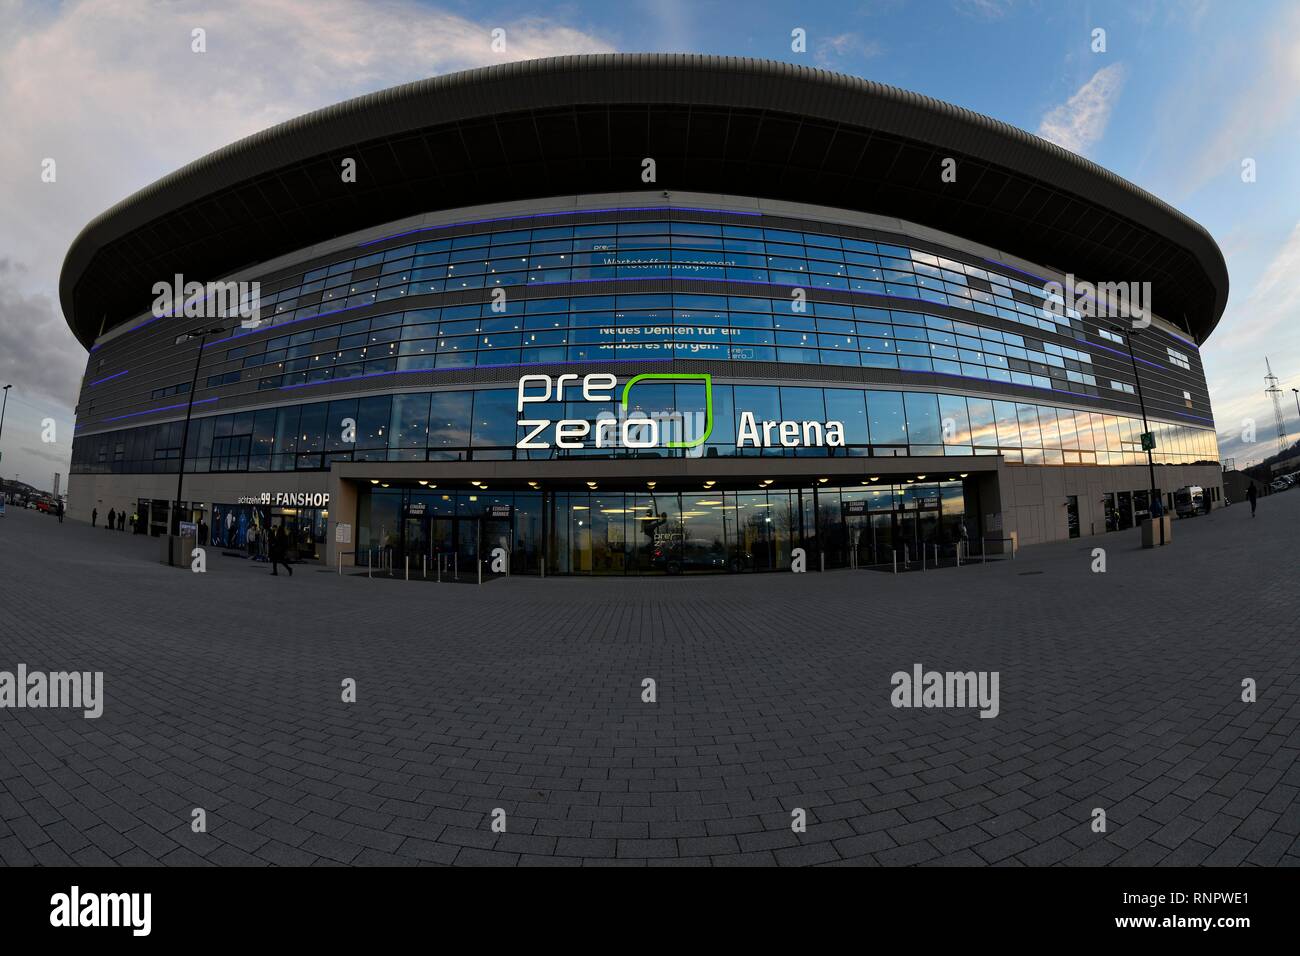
627, 314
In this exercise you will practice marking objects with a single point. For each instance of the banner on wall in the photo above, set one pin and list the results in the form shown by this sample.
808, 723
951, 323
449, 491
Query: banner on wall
231, 524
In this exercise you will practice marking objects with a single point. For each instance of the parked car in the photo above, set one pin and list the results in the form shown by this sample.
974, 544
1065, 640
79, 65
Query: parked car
699, 554
1280, 484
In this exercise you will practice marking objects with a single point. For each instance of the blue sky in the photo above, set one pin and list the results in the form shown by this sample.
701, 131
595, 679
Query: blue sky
1185, 90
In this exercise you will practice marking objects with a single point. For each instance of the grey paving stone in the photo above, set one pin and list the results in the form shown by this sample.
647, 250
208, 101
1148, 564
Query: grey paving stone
773, 694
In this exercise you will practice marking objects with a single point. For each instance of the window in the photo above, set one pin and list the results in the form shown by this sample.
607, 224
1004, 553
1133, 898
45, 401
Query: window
1111, 336
1121, 387
180, 388
1179, 359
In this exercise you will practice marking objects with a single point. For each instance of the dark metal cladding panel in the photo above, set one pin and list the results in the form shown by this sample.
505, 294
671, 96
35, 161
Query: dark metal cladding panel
156, 231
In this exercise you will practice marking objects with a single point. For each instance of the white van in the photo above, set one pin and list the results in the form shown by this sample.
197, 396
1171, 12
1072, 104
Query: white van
1189, 501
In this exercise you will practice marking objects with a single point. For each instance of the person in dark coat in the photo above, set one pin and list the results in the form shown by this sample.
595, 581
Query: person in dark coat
112, 519
94, 516
280, 550
1252, 495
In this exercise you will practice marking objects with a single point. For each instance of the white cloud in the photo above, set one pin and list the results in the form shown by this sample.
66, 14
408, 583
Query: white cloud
1079, 122
1254, 114
984, 9
1272, 300
831, 51
112, 92
1260, 324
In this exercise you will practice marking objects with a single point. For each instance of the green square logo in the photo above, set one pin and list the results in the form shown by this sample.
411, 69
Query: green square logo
679, 377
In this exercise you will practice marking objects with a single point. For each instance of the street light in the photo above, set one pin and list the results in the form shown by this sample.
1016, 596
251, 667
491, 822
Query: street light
1296, 391
201, 335
3, 406
1148, 439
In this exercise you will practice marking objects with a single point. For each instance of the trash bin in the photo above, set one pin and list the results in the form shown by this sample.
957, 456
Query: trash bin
1151, 531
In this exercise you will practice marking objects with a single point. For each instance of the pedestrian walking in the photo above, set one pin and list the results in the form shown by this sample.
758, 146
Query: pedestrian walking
1252, 495
121, 520
59, 508
280, 550
94, 516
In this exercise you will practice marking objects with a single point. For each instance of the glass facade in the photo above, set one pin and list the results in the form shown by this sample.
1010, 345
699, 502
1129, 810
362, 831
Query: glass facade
919, 355
656, 327
619, 532
512, 256
650, 327
482, 425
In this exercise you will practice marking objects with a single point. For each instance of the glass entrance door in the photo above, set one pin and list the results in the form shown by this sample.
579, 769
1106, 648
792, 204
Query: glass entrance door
417, 543
467, 547
907, 537
442, 546
882, 538
496, 534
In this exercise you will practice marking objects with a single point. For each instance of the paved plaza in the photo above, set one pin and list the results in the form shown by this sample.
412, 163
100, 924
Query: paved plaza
1120, 691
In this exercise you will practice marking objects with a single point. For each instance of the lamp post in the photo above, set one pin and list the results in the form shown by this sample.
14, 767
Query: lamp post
3, 406
1146, 428
1296, 392
201, 335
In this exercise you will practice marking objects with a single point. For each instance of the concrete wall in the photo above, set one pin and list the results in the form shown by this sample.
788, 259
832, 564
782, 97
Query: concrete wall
1033, 497
121, 491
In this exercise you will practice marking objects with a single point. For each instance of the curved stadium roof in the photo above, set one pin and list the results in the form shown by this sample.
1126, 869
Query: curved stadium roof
582, 124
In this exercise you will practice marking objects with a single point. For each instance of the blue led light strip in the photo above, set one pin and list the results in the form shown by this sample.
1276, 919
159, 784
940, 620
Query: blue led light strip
150, 411
107, 378
1098, 345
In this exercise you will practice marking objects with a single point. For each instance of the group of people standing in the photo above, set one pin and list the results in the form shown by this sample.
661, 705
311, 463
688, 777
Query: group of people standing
116, 519
269, 544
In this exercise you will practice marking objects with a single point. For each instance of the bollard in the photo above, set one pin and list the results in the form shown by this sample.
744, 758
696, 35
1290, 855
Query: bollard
480, 570
439, 567
424, 566
907, 557
821, 559
407, 558
922, 557
455, 566
543, 568
895, 562
369, 562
